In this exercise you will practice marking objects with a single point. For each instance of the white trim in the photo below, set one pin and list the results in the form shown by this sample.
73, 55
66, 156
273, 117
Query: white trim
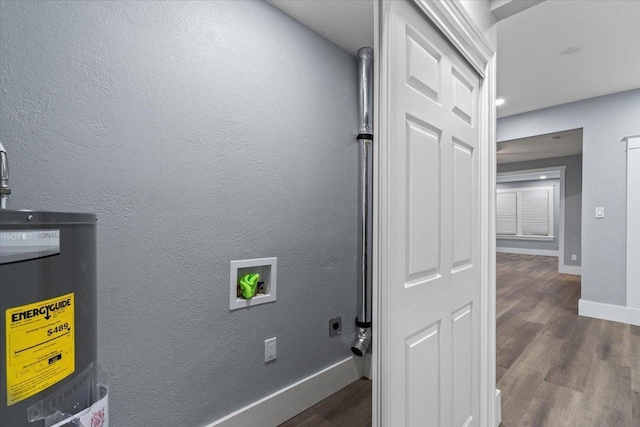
288, 402
380, 194
503, 9
489, 409
270, 282
377, 389
633, 144
526, 251
529, 177
515, 190
570, 269
498, 408
632, 141
615, 313
525, 237
633, 316
562, 261
597, 310
456, 25
536, 170
633, 226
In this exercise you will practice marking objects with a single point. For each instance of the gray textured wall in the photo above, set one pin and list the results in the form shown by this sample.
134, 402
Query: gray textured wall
199, 132
536, 244
572, 200
605, 121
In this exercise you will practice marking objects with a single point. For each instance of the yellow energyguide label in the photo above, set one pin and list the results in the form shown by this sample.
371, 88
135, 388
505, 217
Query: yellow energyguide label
40, 346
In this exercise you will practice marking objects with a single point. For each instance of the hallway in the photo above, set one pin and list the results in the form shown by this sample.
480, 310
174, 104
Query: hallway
555, 368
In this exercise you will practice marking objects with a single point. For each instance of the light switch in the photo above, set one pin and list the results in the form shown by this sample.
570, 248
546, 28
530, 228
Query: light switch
270, 350
599, 212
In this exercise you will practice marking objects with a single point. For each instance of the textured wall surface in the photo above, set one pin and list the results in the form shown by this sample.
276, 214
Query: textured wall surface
200, 133
572, 199
536, 244
605, 121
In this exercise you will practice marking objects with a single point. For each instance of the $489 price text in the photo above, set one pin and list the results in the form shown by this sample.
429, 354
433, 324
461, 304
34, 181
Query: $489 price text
59, 329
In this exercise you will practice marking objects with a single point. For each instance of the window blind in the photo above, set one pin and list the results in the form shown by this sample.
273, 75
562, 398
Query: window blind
507, 214
535, 213
525, 213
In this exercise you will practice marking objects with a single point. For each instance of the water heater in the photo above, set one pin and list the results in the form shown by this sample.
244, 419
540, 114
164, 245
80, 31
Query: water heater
47, 311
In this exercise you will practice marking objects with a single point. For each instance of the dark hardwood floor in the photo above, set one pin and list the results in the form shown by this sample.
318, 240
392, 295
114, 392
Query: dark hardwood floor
349, 407
554, 367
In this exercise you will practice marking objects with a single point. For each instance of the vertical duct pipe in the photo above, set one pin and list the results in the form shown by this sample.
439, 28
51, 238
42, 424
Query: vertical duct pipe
5, 191
365, 137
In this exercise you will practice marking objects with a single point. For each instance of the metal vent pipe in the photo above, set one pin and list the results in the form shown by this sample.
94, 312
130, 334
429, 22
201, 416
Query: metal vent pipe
5, 191
365, 137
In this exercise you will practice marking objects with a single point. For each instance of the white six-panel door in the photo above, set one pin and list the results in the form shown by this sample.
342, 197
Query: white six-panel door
431, 361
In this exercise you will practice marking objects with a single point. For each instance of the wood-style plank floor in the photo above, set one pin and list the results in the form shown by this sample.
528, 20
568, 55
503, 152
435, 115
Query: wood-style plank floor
554, 367
349, 407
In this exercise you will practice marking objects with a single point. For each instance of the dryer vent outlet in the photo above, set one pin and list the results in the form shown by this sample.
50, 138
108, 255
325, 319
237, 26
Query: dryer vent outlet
335, 326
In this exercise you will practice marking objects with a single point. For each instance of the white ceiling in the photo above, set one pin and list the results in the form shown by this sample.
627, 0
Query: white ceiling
532, 73
346, 23
557, 144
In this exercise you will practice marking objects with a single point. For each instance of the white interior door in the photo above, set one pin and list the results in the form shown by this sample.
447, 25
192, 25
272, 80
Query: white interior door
431, 356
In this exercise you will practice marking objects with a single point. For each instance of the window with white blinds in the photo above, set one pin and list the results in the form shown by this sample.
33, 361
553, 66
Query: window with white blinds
535, 213
525, 213
507, 208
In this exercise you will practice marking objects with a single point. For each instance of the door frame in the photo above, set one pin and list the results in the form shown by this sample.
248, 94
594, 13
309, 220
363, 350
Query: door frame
456, 24
563, 268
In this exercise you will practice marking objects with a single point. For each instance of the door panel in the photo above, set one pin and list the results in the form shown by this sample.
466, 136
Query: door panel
462, 169
423, 379
463, 97
431, 362
423, 66
423, 165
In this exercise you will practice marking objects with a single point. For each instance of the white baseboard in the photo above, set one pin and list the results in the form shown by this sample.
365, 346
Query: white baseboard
633, 316
498, 407
284, 404
570, 269
615, 313
524, 251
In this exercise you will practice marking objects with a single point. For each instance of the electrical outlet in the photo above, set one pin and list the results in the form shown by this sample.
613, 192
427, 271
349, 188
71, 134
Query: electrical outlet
335, 326
270, 350
574, 257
